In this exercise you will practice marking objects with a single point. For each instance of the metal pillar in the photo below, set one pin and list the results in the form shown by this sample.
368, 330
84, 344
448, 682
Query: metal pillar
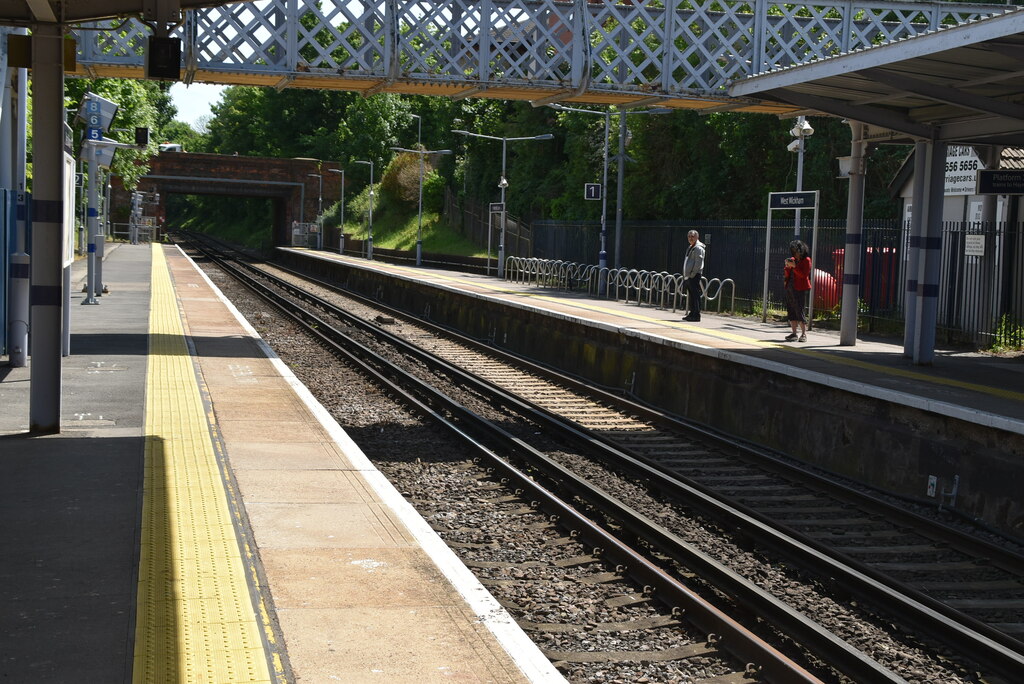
618, 190
65, 318
341, 220
854, 235
918, 215
47, 226
419, 224
993, 262
369, 236
92, 218
602, 256
6, 117
504, 213
18, 297
930, 258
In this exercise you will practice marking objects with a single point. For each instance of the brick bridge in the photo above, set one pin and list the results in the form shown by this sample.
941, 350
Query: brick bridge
285, 181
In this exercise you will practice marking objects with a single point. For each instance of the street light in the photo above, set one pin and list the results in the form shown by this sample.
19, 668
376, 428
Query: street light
419, 227
602, 255
369, 238
503, 183
319, 209
801, 131
621, 160
341, 231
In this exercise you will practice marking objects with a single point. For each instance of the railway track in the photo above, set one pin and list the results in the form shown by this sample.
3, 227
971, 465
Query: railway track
741, 491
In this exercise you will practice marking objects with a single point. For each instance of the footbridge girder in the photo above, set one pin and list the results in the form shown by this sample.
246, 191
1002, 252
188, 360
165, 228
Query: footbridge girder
676, 53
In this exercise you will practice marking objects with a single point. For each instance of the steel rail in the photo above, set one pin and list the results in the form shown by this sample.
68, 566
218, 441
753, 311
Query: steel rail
733, 637
820, 640
996, 555
995, 649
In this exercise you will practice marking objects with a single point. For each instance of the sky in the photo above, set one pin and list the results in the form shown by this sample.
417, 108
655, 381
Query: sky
194, 101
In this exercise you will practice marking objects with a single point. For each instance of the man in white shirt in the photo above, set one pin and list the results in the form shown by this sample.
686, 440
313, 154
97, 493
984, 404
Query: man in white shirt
692, 267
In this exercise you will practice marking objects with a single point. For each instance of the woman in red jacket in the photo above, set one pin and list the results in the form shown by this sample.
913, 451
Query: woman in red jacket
798, 282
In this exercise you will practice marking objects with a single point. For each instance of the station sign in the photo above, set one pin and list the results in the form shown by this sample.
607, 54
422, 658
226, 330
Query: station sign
792, 200
1000, 182
497, 207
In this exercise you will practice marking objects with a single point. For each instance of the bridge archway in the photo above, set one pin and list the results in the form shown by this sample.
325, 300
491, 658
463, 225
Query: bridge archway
292, 185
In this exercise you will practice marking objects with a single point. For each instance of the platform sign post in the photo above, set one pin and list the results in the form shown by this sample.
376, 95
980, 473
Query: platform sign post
98, 113
790, 201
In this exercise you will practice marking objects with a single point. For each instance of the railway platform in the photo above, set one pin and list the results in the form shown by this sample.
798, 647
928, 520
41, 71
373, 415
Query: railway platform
982, 388
947, 435
200, 518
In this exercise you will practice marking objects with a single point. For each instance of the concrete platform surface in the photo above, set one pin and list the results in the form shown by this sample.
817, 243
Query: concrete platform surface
354, 586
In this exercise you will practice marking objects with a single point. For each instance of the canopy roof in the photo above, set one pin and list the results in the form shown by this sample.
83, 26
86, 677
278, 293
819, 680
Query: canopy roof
963, 84
74, 11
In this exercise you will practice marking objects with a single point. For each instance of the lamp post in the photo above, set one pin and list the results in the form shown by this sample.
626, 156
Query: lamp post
621, 159
503, 183
602, 255
419, 227
801, 131
369, 238
319, 208
341, 220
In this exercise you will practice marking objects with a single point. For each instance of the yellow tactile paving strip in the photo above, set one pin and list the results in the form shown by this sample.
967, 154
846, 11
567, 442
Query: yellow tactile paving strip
195, 618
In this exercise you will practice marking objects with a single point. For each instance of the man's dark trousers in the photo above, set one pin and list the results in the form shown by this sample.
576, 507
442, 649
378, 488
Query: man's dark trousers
693, 289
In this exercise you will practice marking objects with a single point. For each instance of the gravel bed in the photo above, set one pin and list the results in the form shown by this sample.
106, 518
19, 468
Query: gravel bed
420, 461
449, 491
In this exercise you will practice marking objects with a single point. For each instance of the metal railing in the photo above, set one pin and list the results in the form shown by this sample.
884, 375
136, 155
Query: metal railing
652, 288
123, 231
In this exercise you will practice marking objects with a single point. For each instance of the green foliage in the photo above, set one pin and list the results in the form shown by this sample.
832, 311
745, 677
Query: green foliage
1008, 336
433, 192
400, 182
241, 220
400, 185
358, 210
682, 165
182, 134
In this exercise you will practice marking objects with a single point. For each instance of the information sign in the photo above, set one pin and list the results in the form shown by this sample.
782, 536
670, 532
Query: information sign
592, 191
974, 245
962, 166
1001, 182
497, 207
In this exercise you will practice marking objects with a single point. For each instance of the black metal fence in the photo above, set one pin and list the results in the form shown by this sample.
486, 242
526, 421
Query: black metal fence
981, 300
474, 221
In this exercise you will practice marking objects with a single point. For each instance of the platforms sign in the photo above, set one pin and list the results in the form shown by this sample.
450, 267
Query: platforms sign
1001, 182
592, 191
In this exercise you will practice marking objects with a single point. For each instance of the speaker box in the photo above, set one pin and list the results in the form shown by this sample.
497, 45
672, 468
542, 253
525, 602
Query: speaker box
163, 58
